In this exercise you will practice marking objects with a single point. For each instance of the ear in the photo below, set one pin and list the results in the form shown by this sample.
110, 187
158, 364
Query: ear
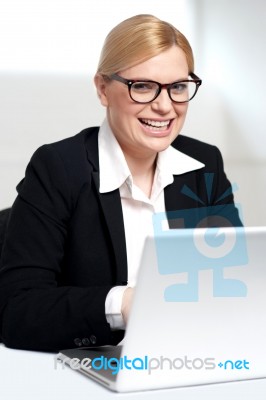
101, 86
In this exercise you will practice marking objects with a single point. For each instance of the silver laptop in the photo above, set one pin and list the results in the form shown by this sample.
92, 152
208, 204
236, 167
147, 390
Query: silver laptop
198, 314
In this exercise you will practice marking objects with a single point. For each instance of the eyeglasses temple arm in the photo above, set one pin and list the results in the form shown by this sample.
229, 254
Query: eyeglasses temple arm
196, 78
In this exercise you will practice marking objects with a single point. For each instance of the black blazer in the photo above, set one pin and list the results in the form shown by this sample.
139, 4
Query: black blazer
65, 243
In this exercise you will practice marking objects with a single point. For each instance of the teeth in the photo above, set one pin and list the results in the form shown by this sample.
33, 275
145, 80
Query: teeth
157, 124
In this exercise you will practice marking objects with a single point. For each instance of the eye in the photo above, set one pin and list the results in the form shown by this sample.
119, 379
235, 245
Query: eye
179, 87
143, 87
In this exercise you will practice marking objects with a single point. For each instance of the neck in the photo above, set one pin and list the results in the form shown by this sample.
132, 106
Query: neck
142, 170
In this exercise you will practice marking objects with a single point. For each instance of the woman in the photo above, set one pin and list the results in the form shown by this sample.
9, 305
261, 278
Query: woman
77, 227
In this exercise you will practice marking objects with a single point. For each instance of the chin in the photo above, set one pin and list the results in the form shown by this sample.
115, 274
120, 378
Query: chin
161, 145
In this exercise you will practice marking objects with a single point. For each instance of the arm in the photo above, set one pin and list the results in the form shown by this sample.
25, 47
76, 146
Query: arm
36, 312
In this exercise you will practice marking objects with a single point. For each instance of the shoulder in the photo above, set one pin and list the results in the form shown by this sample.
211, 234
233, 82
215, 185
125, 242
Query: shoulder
201, 151
71, 153
74, 147
62, 167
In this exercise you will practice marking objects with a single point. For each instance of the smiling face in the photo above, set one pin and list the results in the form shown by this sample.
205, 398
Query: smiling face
143, 130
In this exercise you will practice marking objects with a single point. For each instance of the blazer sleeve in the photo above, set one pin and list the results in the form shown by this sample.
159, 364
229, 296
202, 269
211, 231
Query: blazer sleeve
36, 313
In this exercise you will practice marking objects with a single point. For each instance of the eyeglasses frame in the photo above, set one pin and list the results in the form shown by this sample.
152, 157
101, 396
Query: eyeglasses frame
167, 86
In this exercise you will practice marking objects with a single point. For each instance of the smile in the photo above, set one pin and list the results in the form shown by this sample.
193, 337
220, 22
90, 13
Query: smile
157, 125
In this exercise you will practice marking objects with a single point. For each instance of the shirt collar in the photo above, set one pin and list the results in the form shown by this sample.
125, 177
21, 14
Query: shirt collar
174, 162
114, 170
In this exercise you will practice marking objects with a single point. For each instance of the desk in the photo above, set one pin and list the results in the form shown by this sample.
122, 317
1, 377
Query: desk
32, 375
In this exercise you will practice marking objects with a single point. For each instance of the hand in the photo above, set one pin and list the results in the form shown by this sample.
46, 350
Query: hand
126, 303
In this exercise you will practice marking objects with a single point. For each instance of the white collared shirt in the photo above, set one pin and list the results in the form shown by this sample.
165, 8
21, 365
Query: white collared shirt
137, 207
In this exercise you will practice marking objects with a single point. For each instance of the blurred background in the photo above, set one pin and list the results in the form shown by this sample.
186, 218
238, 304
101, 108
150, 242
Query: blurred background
49, 53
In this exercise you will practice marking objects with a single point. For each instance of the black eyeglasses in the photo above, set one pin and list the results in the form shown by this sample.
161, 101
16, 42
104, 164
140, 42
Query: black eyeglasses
146, 91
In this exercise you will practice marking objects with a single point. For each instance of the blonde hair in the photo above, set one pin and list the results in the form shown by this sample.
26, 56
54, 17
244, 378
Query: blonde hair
137, 39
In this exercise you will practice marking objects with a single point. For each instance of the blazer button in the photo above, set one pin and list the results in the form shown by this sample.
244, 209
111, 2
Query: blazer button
86, 342
93, 339
78, 342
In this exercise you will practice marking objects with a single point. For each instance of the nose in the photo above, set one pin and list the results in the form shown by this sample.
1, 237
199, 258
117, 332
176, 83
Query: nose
162, 103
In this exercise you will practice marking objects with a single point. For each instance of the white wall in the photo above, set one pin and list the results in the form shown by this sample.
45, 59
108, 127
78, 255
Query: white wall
67, 35
230, 110
49, 52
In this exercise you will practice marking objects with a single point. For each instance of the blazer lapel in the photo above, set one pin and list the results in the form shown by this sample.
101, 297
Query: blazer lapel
179, 203
112, 210
174, 200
